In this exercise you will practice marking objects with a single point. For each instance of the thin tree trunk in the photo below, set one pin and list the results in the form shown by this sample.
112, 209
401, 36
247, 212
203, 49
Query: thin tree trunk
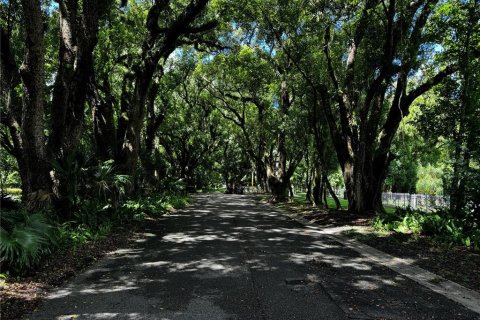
317, 186
290, 190
308, 195
324, 194
463, 138
308, 179
348, 178
279, 178
332, 193
261, 175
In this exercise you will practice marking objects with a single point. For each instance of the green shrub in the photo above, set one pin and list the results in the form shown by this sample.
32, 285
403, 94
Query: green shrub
454, 230
178, 201
400, 220
107, 185
24, 239
440, 225
14, 191
92, 214
3, 279
152, 205
86, 180
10, 177
173, 186
72, 235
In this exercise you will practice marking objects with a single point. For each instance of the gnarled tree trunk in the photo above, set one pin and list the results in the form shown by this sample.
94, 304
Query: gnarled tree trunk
363, 135
104, 130
27, 123
153, 123
78, 38
161, 42
78, 21
279, 177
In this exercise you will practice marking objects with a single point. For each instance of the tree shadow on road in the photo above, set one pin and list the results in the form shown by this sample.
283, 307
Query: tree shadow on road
226, 257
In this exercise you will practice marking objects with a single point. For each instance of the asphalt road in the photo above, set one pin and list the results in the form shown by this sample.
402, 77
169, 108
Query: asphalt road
226, 257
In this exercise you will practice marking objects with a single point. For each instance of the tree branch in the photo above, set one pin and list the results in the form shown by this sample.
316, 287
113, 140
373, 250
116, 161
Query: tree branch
201, 28
345, 117
427, 85
401, 105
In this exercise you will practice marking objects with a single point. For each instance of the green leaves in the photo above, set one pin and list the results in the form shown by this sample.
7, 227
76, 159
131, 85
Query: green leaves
439, 225
24, 239
73, 235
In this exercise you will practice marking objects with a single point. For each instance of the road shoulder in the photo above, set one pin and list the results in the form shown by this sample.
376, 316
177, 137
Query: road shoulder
405, 266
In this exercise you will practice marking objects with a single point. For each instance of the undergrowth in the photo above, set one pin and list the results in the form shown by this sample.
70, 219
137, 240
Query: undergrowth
440, 225
26, 238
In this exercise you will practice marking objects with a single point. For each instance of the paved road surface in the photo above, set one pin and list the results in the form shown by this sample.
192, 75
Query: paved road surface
226, 257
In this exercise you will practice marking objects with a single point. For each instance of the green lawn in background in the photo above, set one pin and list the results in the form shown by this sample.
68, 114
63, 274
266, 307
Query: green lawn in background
300, 198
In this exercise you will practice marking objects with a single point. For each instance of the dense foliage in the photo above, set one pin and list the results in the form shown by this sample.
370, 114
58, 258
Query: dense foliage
108, 108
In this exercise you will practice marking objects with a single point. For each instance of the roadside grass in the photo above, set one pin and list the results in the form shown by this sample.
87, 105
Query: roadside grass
14, 191
300, 198
212, 190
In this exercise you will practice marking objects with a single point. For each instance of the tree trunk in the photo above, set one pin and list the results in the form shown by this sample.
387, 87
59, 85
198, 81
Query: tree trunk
103, 123
324, 194
291, 194
466, 124
457, 187
279, 178
34, 162
363, 183
78, 38
332, 193
261, 168
261, 174
131, 122
279, 190
158, 45
262, 178
317, 186
347, 171
308, 178
308, 195
154, 122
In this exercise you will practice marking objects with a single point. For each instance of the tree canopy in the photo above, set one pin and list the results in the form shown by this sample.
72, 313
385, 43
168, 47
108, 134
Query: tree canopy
366, 96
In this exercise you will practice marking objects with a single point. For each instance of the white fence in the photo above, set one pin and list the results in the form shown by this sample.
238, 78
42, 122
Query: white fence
424, 202
251, 190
